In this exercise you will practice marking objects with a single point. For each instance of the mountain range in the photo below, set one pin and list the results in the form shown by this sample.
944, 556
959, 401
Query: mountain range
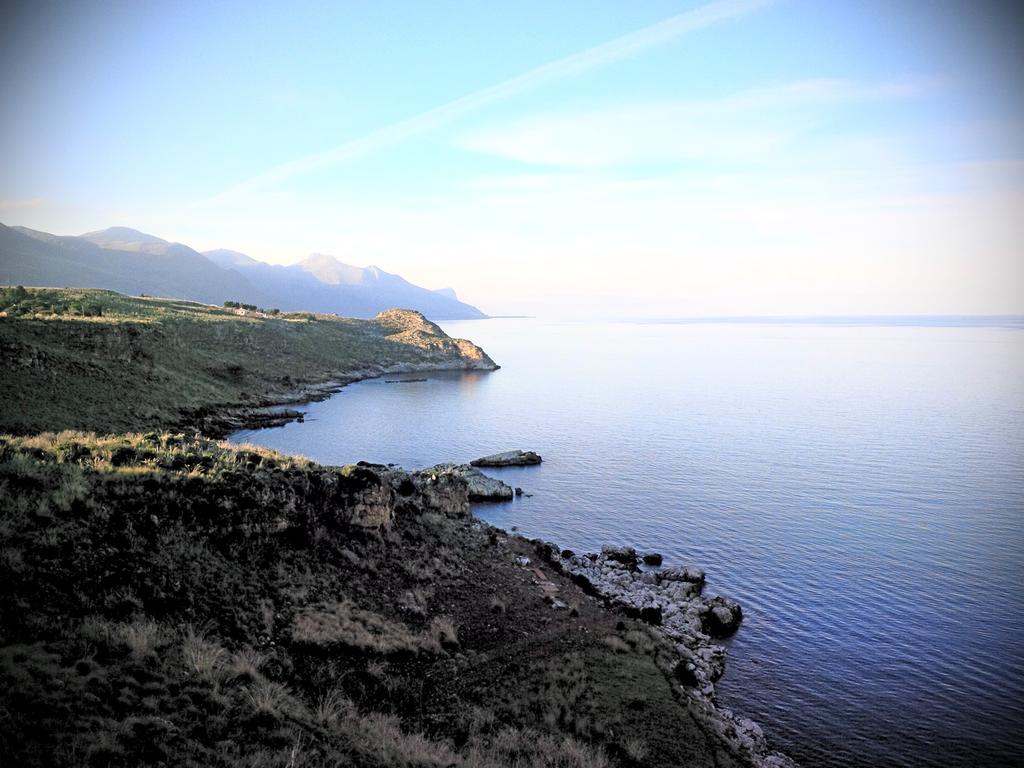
133, 262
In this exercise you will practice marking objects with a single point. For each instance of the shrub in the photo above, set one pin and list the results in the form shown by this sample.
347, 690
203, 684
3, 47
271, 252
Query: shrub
268, 698
342, 624
382, 737
636, 750
331, 707
616, 644
203, 657
247, 663
96, 629
141, 637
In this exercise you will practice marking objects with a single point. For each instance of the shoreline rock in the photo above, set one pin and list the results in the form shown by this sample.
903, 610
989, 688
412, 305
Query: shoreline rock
272, 411
515, 458
671, 599
481, 487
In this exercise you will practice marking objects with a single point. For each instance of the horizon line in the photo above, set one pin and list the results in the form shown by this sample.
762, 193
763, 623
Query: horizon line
1016, 319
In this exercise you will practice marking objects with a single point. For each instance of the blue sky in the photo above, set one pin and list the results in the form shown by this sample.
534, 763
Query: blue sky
622, 159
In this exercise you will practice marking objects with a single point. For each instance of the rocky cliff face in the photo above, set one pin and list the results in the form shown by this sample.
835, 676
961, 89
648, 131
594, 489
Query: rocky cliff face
408, 327
171, 600
369, 496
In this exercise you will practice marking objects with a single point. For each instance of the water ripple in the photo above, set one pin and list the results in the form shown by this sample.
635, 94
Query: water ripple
859, 489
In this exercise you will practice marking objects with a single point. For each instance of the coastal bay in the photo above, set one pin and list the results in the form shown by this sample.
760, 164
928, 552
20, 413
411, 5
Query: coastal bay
164, 593
855, 486
512, 385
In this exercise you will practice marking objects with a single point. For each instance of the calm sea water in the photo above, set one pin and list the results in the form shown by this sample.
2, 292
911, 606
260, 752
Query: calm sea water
859, 488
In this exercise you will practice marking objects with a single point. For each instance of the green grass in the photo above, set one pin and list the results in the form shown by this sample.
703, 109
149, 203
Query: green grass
133, 363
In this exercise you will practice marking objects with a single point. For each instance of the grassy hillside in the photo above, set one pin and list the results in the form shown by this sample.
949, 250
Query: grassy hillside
101, 361
173, 601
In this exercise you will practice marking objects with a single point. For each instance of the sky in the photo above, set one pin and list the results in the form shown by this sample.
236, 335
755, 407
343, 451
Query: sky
584, 158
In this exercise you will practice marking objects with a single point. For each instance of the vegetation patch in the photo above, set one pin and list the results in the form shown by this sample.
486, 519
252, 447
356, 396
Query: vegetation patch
101, 361
170, 600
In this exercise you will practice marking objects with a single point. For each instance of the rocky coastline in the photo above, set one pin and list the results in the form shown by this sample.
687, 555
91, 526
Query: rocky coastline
149, 364
280, 408
669, 598
168, 597
672, 599
163, 591
480, 487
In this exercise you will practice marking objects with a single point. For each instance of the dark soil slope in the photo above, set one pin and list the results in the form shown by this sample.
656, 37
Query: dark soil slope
171, 601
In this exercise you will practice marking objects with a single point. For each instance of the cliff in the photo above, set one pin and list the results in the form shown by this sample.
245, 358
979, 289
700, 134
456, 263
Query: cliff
175, 601
169, 600
101, 361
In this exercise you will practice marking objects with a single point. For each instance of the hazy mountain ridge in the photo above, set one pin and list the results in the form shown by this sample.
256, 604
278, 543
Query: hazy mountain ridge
130, 261
39, 258
321, 283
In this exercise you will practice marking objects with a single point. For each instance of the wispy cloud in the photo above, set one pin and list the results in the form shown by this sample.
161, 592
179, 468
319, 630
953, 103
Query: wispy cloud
569, 66
11, 205
738, 128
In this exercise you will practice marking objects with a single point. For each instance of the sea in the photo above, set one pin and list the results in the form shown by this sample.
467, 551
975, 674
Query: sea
856, 483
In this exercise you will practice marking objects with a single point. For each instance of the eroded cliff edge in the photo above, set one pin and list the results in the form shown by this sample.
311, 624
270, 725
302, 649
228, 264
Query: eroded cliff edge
171, 600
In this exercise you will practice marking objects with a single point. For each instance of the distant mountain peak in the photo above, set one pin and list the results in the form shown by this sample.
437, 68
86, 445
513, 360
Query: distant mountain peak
226, 258
326, 259
328, 269
121, 235
448, 293
127, 260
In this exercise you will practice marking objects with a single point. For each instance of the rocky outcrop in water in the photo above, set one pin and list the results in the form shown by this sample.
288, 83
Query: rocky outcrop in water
508, 459
481, 487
